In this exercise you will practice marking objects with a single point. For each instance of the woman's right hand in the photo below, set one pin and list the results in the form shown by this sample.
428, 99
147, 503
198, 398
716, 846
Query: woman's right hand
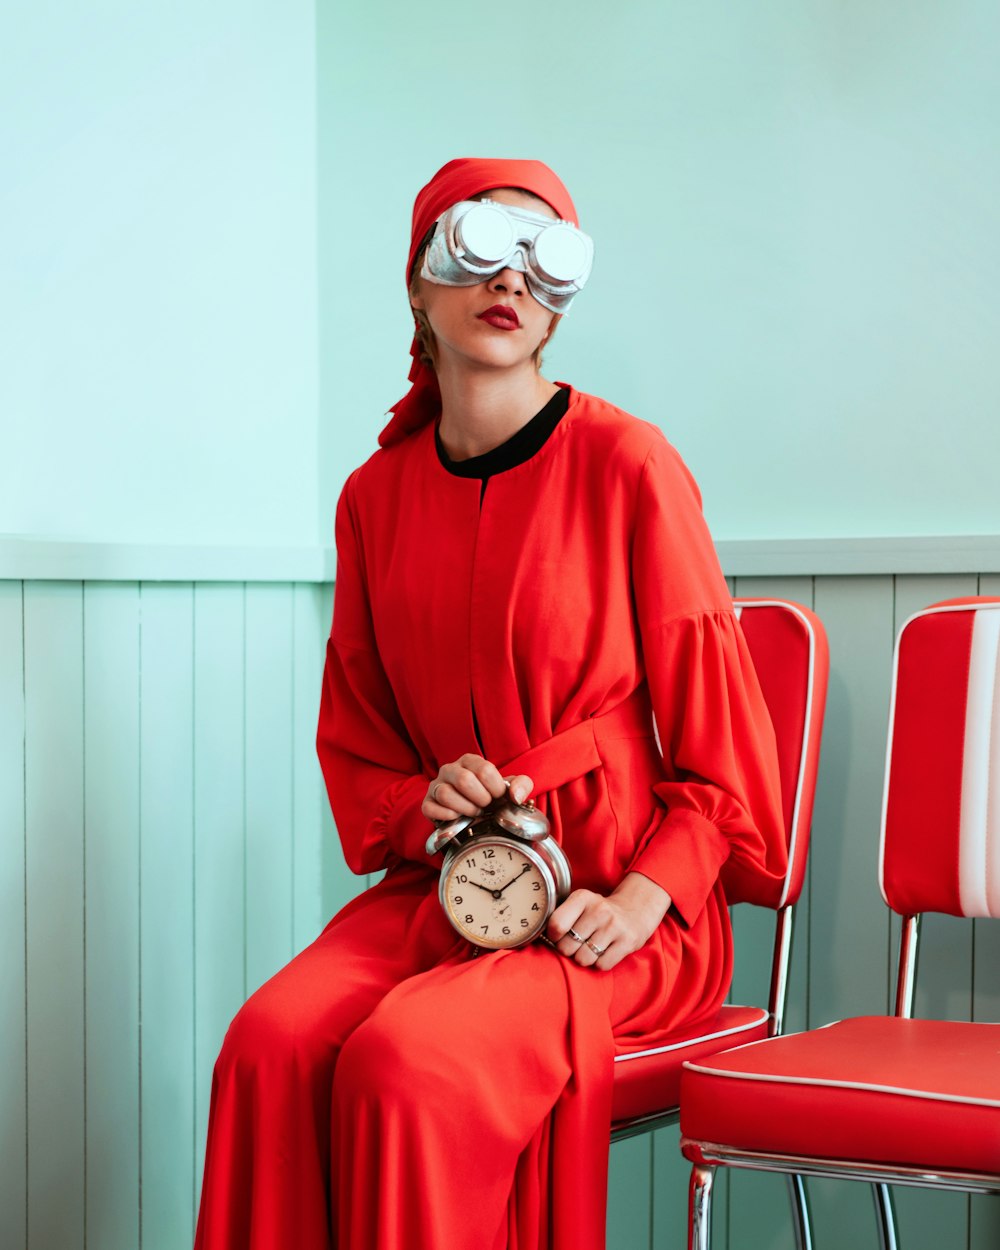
466, 786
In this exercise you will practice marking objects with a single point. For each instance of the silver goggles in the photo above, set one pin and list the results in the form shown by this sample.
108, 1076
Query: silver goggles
475, 239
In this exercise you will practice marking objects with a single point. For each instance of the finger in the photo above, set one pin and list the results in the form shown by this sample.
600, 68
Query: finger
566, 915
587, 925
593, 951
571, 924
520, 787
445, 801
487, 774
611, 958
572, 944
440, 814
611, 955
459, 780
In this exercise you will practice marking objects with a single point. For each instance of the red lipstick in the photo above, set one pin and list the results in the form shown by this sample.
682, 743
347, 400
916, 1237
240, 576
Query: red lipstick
501, 317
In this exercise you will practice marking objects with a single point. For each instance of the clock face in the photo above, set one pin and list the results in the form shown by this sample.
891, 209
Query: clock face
498, 894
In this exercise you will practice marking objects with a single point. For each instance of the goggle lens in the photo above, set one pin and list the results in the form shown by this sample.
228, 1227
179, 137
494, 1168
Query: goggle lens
561, 254
476, 239
486, 235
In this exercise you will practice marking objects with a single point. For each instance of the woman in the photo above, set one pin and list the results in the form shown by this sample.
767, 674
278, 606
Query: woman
524, 578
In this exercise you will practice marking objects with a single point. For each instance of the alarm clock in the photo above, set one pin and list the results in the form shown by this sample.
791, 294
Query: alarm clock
503, 873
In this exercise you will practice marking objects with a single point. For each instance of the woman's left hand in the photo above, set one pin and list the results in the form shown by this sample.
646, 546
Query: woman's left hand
598, 930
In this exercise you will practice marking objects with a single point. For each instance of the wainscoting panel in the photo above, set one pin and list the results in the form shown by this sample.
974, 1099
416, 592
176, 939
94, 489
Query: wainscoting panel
54, 902
166, 914
219, 822
167, 846
111, 911
13, 895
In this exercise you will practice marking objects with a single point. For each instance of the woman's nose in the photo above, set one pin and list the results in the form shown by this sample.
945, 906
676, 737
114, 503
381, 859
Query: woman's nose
510, 281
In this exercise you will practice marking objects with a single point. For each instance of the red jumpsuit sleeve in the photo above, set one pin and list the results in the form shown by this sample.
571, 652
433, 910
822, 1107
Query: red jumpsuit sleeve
373, 772
722, 790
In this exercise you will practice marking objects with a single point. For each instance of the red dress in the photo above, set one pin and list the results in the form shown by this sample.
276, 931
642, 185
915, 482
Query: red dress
386, 1090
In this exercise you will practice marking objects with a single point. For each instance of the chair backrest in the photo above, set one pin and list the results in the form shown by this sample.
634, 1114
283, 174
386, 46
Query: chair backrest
940, 838
790, 654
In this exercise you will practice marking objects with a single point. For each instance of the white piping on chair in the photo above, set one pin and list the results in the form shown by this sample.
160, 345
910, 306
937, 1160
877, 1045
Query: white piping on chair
803, 755
978, 888
864, 1086
758, 1020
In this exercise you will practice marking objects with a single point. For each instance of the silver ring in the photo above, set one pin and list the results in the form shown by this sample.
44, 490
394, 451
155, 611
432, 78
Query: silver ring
598, 950
434, 791
572, 933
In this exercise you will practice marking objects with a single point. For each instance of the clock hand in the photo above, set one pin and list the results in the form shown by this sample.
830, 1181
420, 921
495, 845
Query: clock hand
526, 868
488, 888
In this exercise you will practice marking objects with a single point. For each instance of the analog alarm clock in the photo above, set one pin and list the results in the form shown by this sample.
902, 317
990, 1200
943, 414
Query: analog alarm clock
503, 873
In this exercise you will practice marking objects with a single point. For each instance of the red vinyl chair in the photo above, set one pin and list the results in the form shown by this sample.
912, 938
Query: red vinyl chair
889, 1099
789, 649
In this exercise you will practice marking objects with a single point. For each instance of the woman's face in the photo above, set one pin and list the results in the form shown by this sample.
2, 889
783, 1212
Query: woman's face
497, 323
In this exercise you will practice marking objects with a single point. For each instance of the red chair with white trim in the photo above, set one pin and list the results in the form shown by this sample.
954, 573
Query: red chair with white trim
789, 649
889, 1099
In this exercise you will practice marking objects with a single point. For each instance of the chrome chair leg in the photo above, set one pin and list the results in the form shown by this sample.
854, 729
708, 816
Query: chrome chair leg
885, 1214
799, 1199
700, 1207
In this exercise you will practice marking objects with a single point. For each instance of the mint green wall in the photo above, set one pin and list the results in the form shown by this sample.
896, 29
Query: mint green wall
798, 265
157, 271
794, 207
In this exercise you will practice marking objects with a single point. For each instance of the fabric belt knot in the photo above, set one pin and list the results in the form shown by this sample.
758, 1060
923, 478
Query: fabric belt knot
574, 752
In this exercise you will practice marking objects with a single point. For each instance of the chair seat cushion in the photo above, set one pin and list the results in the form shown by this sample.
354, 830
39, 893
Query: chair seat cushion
648, 1081
918, 1093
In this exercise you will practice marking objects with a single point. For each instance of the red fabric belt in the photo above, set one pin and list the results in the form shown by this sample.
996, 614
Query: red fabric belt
574, 752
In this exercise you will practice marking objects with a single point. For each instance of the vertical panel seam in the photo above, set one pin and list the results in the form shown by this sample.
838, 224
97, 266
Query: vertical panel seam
139, 894
83, 757
194, 900
24, 816
138, 843
244, 813
293, 751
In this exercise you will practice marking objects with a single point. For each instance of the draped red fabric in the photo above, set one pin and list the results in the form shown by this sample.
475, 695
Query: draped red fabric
386, 1090
458, 180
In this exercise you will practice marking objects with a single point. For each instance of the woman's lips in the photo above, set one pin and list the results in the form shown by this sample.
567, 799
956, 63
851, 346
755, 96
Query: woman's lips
501, 317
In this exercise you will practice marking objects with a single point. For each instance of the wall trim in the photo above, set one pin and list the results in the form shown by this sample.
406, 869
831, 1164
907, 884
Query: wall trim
47, 559
824, 557
44, 559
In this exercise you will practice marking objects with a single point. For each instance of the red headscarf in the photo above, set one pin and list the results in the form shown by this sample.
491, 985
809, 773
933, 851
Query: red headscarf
458, 180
